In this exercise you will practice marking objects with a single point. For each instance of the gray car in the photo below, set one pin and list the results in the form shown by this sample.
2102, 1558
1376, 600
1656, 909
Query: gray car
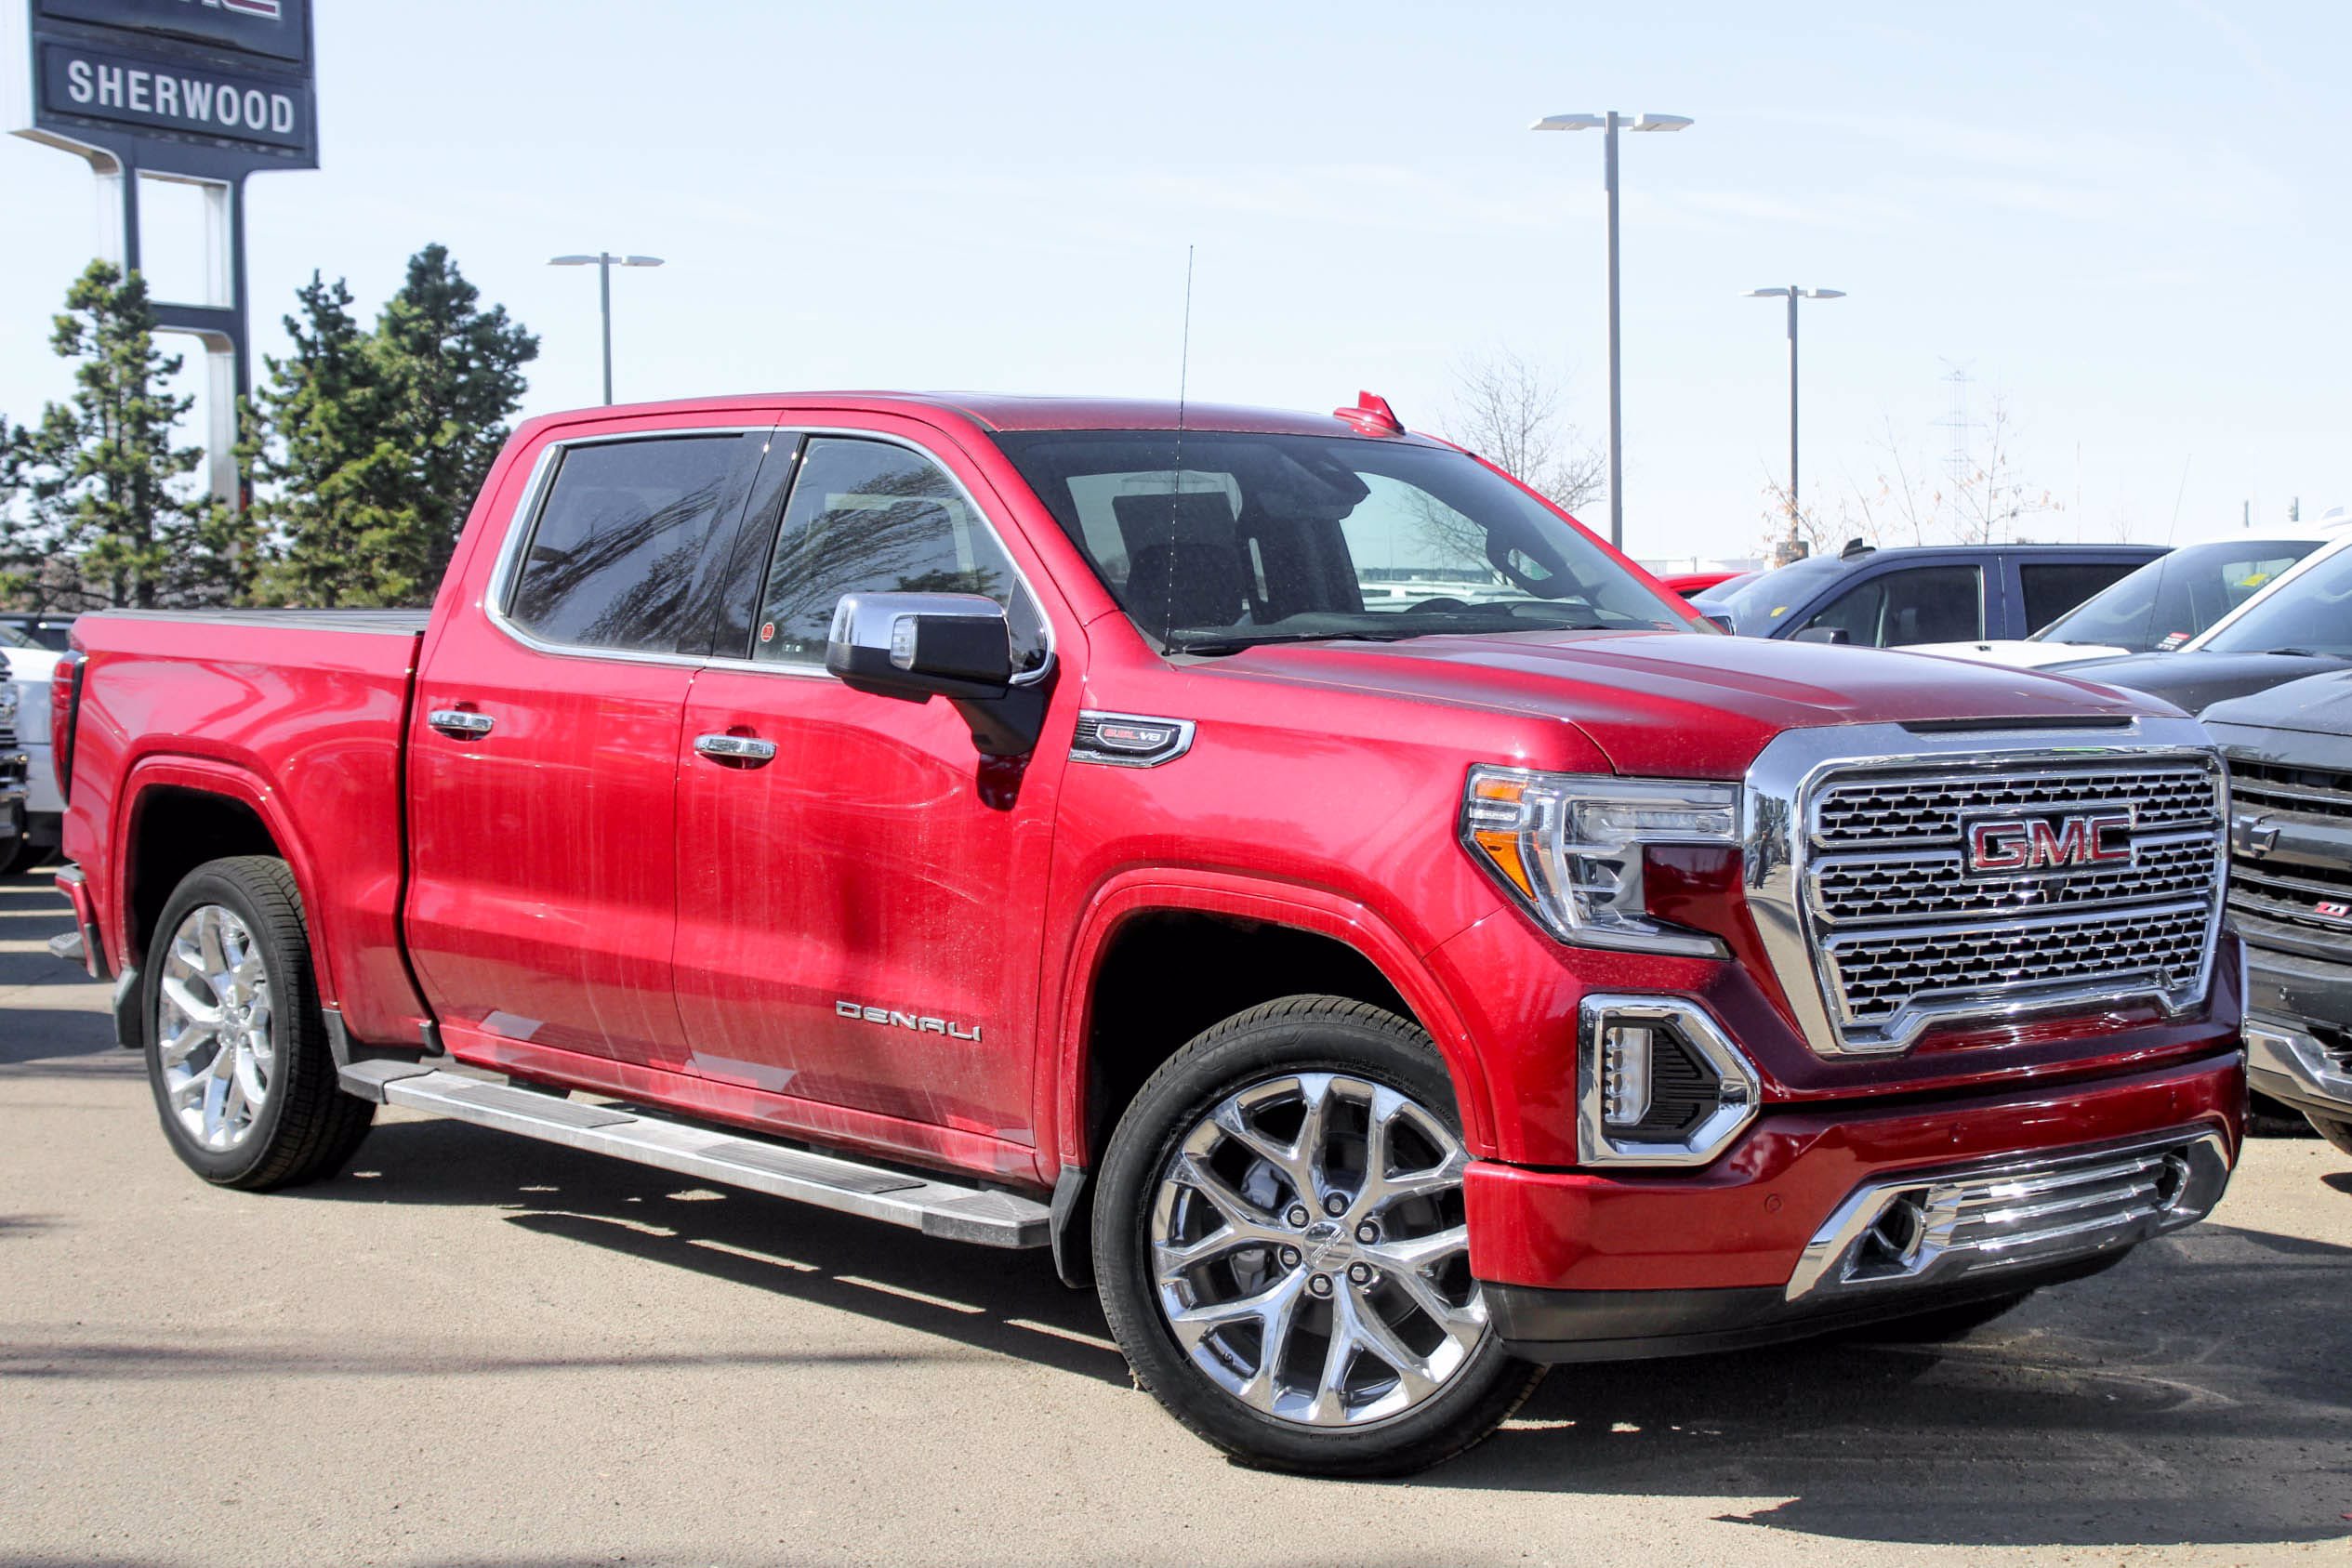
2290, 889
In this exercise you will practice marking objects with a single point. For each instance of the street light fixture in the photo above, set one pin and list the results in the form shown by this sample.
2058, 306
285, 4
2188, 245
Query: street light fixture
1611, 123
604, 261
1793, 293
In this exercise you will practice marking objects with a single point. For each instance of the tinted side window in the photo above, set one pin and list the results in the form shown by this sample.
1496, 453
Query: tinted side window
868, 516
2054, 588
1933, 604
612, 560
1855, 612
1897, 609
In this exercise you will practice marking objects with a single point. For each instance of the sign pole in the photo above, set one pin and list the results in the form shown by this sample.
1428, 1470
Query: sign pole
202, 95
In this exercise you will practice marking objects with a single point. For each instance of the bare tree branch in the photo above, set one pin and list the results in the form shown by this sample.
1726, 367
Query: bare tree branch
1508, 412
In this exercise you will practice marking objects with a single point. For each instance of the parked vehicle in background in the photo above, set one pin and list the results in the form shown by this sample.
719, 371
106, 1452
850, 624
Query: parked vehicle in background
30, 666
2290, 752
2300, 625
2155, 610
1027, 808
46, 628
1904, 597
1690, 585
15, 767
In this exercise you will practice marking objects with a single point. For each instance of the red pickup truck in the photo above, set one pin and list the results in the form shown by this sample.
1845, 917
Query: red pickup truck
1362, 925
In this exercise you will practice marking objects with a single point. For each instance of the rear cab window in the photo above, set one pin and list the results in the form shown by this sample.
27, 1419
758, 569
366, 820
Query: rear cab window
621, 539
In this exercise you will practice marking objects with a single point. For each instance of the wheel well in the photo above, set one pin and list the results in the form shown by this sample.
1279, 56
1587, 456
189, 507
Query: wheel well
174, 830
1169, 974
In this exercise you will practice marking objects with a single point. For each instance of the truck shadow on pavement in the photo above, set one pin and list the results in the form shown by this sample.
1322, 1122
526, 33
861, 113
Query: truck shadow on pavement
2200, 1392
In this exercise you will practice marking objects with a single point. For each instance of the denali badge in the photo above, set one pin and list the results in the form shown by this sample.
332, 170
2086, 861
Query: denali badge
893, 1018
2013, 845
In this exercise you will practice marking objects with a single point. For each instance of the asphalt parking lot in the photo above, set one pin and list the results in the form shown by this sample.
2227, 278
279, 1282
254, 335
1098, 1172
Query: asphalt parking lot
474, 1348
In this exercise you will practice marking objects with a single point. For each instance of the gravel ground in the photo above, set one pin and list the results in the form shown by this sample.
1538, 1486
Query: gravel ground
472, 1349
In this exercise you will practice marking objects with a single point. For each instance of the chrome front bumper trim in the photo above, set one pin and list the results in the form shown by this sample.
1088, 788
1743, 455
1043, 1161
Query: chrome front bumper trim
2062, 1207
2297, 1057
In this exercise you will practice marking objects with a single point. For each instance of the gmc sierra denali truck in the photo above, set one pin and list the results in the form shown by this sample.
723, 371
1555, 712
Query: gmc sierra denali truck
1368, 929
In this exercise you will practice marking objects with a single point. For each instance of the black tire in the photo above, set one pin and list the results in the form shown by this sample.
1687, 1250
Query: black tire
306, 1127
2334, 1129
1297, 1034
2266, 1118
22, 856
1940, 1326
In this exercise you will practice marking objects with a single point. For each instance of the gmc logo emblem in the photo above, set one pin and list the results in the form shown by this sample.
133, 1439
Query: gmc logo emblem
2049, 844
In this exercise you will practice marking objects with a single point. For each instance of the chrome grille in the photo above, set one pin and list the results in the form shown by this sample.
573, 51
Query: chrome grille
1910, 809
2266, 786
1904, 938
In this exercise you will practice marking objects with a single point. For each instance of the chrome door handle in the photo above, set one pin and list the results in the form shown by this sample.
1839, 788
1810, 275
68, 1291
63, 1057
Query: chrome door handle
459, 722
745, 749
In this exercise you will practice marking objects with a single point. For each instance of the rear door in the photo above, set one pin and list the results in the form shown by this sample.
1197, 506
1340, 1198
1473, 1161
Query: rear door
859, 901
543, 754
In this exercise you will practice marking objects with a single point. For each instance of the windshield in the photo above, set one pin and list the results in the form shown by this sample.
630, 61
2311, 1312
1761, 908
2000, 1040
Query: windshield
2312, 614
1757, 605
2176, 596
15, 636
1213, 541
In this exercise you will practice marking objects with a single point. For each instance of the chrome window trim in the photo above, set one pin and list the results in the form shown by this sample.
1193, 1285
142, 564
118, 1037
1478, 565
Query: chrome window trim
1775, 841
520, 532
1598, 1144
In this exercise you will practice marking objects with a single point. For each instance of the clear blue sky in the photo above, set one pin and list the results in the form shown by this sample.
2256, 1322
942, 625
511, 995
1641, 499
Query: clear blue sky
2133, 220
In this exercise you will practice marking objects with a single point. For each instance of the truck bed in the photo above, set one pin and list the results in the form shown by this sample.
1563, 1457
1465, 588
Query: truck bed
299, 717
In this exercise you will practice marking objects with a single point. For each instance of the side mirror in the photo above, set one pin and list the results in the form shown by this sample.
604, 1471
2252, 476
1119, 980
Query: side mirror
1721, 623
1837, 635
918, 646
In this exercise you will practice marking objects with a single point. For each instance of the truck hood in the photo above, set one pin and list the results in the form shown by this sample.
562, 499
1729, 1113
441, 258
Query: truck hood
2318, 705
2194, 680
1683, 705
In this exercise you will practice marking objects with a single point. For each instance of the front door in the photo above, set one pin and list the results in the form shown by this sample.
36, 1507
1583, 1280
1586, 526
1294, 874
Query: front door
543, 894
857, 887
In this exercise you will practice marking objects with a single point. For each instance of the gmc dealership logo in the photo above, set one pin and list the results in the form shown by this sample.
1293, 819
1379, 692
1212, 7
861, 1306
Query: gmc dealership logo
2018, 845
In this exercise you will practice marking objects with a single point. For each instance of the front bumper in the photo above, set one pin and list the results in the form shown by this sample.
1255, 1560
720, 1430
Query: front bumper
2299, 1030
1775, 1240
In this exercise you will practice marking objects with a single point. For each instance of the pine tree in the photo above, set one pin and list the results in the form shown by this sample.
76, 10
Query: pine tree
331, 474
106, 486
455, 373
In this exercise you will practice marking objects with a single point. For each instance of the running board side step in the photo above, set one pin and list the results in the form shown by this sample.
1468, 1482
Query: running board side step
935, 1206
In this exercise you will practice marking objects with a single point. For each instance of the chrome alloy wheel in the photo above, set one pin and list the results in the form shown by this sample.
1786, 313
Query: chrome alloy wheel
1310, 1251
212, 1028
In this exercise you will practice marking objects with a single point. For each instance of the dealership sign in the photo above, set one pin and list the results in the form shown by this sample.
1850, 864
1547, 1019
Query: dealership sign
200, 93
139, 79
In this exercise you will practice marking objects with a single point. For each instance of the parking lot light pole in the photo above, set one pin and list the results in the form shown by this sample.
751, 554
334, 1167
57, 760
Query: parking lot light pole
1610, 124
604, 261
1793, 293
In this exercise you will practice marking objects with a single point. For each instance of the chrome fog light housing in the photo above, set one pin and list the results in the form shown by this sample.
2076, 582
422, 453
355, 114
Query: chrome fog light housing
1658, 1083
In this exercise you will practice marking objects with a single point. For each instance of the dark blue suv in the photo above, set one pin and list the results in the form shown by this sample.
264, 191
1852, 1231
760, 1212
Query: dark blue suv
1897, 598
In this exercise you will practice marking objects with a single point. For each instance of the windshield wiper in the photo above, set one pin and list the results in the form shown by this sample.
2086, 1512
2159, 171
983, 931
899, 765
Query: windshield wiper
1235, 644
2301, 652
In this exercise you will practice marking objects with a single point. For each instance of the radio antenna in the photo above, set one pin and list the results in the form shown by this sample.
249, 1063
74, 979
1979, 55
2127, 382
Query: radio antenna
1185, 356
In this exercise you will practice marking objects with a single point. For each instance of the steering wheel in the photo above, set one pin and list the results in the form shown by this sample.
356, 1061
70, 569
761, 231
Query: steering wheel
1447, 603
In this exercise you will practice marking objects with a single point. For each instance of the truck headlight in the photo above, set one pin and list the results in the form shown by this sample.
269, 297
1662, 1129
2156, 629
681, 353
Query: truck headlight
1568, 847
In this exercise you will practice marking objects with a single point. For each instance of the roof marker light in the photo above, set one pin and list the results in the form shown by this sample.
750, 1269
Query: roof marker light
1372, 414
